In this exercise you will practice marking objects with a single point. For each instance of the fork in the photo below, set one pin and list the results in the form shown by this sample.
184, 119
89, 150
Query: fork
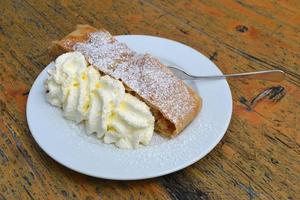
269, 75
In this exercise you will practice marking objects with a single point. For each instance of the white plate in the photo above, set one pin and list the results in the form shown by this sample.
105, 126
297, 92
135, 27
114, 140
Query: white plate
68, 144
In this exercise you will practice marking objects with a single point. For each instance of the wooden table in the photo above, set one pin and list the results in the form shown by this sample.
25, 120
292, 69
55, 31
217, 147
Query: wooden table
259, 157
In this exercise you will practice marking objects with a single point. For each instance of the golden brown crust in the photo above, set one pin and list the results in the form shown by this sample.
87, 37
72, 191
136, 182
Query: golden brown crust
173, 111
175, 128
191, 115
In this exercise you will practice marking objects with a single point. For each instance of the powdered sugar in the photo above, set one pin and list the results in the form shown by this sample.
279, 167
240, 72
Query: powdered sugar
160, 150
105, 53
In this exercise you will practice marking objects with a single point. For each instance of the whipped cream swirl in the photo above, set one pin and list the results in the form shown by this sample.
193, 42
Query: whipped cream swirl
100, 102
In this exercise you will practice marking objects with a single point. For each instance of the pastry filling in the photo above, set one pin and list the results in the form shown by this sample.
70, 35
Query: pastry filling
162, 124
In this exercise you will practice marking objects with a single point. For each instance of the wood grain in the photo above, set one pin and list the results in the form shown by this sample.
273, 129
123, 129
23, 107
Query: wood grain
259, 157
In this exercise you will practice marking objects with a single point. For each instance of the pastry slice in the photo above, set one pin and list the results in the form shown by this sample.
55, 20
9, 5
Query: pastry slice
173, 103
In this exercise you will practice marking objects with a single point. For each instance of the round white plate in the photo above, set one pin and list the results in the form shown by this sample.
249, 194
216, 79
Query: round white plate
68, 144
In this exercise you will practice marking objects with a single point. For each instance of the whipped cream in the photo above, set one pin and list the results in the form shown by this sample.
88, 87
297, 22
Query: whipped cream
98, 101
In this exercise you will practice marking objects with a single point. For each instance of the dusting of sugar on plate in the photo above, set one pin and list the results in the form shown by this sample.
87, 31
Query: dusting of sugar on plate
132, 157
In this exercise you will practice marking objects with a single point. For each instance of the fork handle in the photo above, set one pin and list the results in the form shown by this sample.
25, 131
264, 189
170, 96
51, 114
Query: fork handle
269, 75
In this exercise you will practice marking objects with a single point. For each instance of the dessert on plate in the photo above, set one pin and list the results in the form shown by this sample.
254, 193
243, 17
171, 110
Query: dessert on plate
141, 82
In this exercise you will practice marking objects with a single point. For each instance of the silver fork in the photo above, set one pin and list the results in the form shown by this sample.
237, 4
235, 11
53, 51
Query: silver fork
269, 75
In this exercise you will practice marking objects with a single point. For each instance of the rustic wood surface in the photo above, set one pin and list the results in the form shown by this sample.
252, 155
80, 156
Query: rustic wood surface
259, 157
